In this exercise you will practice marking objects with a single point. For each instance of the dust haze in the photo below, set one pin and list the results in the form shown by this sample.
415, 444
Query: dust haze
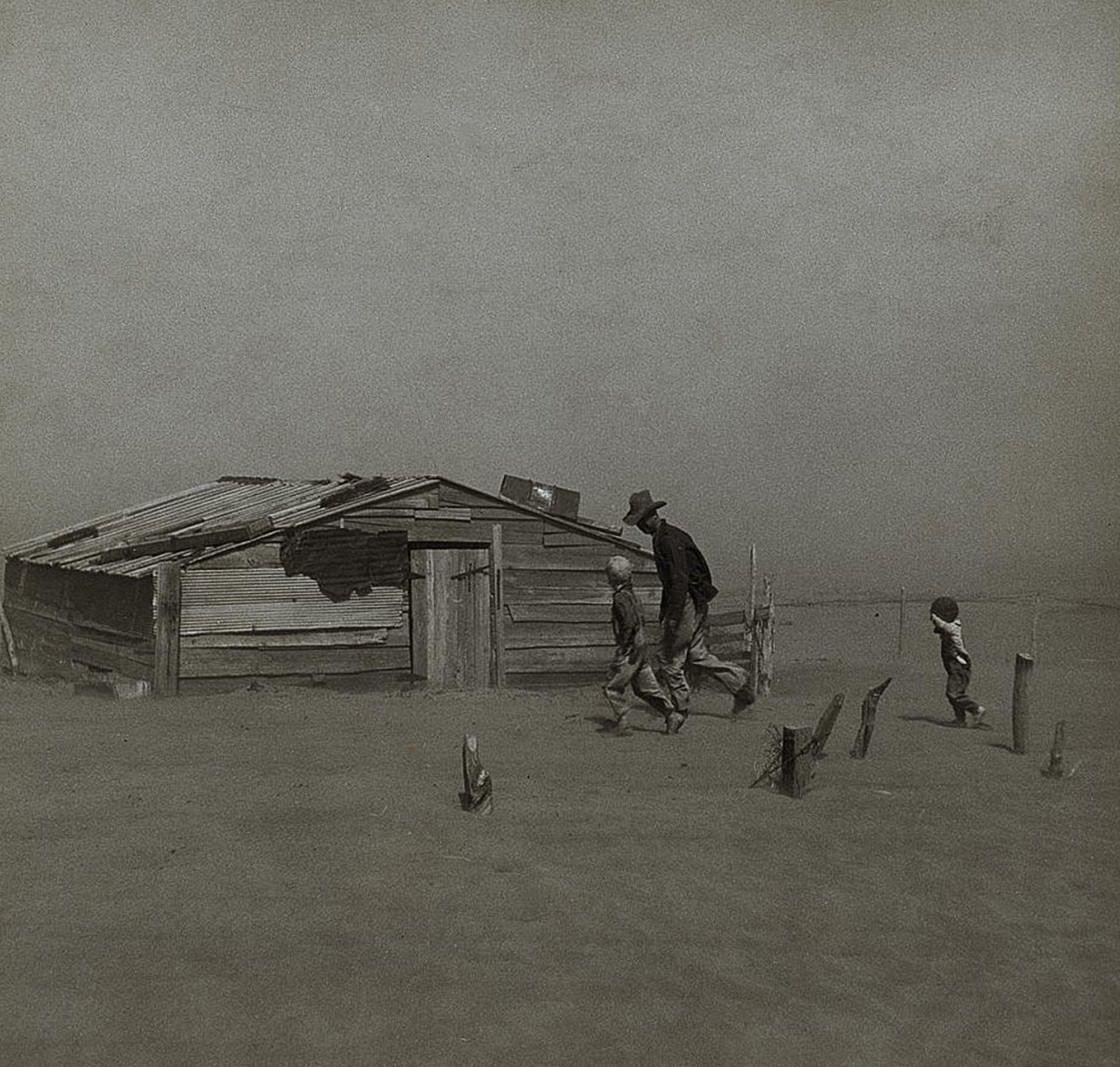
837, 279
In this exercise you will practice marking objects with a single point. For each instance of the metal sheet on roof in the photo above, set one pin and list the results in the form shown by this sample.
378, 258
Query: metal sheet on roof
265, 598
212, 505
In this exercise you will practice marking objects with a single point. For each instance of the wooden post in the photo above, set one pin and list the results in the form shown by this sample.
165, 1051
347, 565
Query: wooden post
165, 675
752, 667
497, 608
824, 727
797, 760
867, 720
477, 794
901, 616
1057, 751
748, 627
765, 637
1021, 703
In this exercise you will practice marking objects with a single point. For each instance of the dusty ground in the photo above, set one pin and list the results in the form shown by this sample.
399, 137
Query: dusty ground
286, 877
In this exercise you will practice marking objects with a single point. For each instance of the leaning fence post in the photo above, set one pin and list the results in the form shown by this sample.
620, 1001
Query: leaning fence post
1021, 703
867, 720
824, 726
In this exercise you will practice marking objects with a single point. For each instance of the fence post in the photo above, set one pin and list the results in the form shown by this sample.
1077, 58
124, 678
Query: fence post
497, 609
165, 670
1021, 703
765, 637
797, 760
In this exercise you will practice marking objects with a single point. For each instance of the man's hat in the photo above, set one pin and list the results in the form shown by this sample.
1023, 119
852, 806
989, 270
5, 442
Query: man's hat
641, 505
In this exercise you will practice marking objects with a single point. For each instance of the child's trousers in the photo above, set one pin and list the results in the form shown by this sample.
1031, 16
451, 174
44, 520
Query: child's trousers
956, 688
639, 676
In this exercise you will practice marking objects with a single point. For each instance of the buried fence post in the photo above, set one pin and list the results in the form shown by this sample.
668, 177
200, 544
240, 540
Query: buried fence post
477, 794
1021, 703
1057, 751
824, 727
797, 760
867, 720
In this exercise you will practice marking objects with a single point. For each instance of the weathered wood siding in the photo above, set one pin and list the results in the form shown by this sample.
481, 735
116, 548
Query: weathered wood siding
66, 621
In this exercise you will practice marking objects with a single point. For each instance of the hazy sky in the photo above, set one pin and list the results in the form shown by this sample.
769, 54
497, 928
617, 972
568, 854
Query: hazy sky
840, 278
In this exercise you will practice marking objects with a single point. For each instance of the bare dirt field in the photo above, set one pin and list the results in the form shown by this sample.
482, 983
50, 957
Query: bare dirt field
285, 877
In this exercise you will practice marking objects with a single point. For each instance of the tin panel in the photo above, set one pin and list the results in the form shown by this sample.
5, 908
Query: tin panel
265, 598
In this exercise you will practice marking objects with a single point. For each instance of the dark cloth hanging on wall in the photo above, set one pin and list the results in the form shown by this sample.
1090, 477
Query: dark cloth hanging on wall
346, 563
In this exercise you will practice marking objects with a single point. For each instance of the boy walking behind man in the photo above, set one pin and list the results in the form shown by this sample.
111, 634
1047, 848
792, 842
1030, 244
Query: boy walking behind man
686, 590
945, 616
630, 665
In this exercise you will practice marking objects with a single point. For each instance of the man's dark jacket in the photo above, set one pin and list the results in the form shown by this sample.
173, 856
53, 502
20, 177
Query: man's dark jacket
683, 572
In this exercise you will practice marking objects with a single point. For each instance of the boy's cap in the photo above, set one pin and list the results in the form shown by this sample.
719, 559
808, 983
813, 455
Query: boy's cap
618, 567
945, 607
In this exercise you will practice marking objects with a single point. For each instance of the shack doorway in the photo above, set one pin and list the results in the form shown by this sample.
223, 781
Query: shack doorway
451, 617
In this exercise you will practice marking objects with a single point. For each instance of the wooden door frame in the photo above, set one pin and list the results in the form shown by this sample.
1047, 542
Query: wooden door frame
496, 600
418, 649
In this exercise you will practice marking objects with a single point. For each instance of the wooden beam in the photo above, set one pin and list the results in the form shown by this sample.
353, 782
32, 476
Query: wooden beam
1021, 703
165, 675
497, 611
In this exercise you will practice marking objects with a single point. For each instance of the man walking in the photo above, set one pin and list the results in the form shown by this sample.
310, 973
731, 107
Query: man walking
686, 591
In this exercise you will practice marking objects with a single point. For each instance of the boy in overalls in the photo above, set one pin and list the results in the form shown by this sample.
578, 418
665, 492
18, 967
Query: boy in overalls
630, 665
945, 616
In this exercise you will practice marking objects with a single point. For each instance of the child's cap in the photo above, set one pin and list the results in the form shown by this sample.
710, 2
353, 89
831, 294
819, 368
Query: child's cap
618, 568
945, 607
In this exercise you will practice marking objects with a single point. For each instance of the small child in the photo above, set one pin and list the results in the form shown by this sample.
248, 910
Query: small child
945, 616
630, 664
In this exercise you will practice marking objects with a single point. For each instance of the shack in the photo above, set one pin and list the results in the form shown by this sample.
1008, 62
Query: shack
352, 581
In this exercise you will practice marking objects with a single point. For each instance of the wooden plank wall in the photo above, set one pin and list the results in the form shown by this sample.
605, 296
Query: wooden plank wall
67, 621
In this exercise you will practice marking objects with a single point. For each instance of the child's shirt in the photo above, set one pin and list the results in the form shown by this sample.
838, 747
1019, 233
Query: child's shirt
952, 642
626, 619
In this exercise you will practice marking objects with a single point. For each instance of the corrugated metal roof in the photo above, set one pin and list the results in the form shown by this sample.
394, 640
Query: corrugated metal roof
216, 505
